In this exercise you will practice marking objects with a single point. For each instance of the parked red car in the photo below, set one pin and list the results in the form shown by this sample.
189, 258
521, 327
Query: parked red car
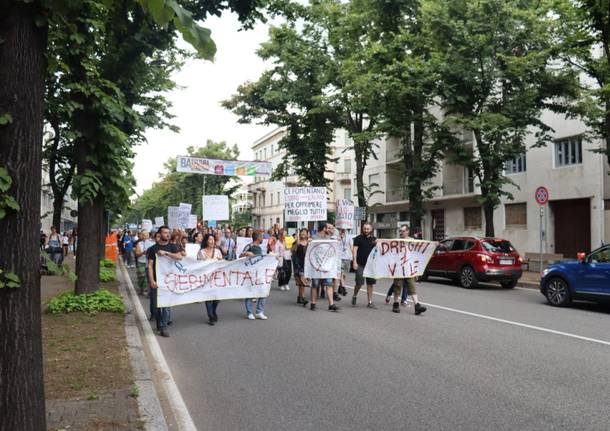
471, 260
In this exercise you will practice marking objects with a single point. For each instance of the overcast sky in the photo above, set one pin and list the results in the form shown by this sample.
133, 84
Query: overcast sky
197, 104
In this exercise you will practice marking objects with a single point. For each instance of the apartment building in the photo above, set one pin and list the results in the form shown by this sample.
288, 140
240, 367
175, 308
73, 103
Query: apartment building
68, 214
577, 217
241, 200
268, 196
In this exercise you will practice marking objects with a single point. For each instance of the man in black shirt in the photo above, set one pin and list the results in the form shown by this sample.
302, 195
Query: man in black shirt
162, 248
362, 247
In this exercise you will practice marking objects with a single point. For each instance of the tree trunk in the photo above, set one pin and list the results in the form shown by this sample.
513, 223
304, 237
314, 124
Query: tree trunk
58, 204
418, 174
488, 210
22, 73
101, 247
87, 254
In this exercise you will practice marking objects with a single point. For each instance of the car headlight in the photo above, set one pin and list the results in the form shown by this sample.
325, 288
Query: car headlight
546, 271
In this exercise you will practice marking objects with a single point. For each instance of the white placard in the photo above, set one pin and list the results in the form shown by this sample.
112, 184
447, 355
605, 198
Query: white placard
190, 280
159, 221
305, 203
345, 214
242, 242
192, 250
184, 215
216, 207
399, 258
173, 214
192, 221
147, 225
323, 259
185, 207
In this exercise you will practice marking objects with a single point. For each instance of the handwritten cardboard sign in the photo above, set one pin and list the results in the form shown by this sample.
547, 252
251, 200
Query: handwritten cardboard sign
399, 258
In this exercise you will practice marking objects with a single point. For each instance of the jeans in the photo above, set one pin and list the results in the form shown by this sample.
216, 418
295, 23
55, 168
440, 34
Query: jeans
403, 296
128, 257
162, 315
211, 307
260, 305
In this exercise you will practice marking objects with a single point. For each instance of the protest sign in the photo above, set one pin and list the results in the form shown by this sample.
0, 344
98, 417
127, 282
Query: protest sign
242, 242
192, 250
399, 258
359, 213
184, 215
345, 214
323, 259
192, 224
212, 223
159, 221
173, 217
305, 203
216, 207
147, 225
201, 165
189, 280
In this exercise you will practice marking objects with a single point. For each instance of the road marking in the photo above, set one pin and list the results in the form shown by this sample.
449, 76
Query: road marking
176, 402
508, 322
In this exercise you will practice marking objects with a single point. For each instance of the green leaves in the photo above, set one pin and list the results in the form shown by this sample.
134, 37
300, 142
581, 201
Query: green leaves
7, 202
9, 280
166, 11
5, 119
91, 303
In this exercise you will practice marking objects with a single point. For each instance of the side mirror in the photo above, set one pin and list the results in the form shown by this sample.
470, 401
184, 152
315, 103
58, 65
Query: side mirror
581, 256
441, 249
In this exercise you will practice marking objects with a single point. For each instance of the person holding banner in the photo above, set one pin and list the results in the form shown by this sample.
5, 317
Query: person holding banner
346, 259
406, 284
363, 245
254, 249
210, 252
163, 247
320, 284
298, 251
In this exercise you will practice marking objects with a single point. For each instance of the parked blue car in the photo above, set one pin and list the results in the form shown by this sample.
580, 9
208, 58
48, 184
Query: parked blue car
587, 278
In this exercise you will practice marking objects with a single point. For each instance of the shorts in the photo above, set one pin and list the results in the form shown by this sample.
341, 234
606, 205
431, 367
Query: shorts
345, 266
320, 282
406, 283
360, 279
300, 280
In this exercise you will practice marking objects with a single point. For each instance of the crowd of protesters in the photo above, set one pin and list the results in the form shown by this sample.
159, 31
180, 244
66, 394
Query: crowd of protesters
139, 250
58, 245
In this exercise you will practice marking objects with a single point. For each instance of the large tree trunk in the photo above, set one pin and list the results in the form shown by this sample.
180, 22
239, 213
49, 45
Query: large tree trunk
418, 174
488, 210
87, 254
58, 204
22, 72
101, 243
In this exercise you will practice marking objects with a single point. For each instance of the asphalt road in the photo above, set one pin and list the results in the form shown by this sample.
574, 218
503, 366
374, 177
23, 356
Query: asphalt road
484, 359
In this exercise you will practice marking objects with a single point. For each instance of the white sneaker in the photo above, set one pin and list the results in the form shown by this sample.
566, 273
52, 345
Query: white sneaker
282, 288
260, 316
287, 287
251, 316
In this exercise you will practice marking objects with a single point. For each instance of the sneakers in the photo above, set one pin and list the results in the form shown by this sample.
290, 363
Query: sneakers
302, 301
387, 299
164, 333
396, 307
211, 321
404, 303
342, 290
251, 316
336, 297
419, 309
333, 307
353, 301
286, 288
261, 316
371, 306
312, 307
282, 288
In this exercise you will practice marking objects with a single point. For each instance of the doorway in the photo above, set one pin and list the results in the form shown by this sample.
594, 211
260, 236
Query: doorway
572, 226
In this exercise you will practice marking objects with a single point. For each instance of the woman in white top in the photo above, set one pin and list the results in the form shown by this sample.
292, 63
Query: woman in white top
209, 251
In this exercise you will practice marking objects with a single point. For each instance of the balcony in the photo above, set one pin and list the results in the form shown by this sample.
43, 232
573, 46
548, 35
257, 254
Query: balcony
396, 194
458, 187
393, 152
343, 177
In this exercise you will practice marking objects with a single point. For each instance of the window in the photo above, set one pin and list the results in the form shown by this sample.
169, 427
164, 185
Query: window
458, 245
278, 198
568, 151
515, 165
374, 179
472, 218
271, 199
347, 166
516, 215
265, 153
272, 148
403, 215
600, 256
347, 193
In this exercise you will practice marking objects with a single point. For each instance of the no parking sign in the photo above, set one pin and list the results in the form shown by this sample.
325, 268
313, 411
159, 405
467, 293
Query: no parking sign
542, 195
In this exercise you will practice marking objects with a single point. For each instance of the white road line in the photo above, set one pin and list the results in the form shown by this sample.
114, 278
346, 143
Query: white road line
176, 402
509, 322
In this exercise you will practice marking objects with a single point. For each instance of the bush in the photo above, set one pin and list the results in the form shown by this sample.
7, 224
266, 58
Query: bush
107, 263
107, 274
89, 303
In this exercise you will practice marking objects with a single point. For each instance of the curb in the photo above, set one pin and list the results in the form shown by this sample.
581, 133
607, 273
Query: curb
529, 285
178, 407
148, 400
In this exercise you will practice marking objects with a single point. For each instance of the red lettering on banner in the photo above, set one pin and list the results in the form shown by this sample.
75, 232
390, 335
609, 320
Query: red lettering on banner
392, 268
246, 275
385, 247
269, 275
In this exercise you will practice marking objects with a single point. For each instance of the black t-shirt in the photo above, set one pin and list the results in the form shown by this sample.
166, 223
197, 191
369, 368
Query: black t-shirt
151, 253
365, 245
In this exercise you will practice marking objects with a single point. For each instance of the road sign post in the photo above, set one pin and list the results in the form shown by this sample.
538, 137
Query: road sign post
542, 198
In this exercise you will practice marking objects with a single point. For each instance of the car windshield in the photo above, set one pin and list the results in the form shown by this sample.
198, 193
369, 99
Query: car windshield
495, 246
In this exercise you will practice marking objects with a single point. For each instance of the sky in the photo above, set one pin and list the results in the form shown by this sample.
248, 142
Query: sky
196, 105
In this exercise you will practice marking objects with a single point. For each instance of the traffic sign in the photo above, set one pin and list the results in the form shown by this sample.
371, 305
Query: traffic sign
542, 195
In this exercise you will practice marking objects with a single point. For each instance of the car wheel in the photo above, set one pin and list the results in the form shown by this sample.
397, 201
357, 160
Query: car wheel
557, 292
509, 284
468, 279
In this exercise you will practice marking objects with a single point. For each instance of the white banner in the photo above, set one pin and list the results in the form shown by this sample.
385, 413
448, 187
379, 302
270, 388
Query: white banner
173, 214
216, 207
323, 259
184, 215
190, 280
192, 221
192, 250
201, 165
399, 258
242, 242
345, 214
305, 203
159, 221
147, 225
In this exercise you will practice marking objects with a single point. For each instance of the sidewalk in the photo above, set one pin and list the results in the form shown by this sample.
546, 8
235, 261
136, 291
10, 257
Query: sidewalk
530, 280
90, 380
